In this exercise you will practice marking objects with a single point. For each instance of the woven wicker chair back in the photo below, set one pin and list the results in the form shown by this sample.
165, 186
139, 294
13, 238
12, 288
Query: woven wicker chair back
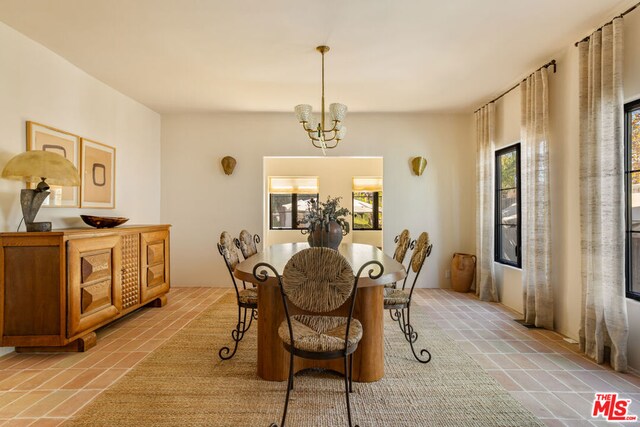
420, 252
229, 251
247, 244
402, 246
318, 280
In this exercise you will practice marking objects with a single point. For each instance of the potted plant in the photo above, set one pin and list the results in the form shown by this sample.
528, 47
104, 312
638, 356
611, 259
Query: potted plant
326, 223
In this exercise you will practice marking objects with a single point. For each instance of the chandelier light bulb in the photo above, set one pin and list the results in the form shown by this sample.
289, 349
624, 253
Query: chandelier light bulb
303, 111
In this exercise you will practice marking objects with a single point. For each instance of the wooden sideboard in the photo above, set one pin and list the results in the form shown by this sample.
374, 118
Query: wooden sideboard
58, 287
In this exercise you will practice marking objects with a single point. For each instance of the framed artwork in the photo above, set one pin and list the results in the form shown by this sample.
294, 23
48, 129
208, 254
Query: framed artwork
46, 138
98, 175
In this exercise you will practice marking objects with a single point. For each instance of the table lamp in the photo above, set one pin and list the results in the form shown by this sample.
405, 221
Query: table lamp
43, 167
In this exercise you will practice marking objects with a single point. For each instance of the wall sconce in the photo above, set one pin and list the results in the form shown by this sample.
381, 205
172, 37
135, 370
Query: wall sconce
228, 164
418, 164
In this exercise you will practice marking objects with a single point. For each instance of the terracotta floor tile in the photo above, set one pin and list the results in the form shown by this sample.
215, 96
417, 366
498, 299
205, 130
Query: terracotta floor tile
485, 361
74, 403
22, 403
111, 360
556, 406
41, 408
91, 359
84, 378
38, 380
18, 378
48, 422
61, 379
8, 397
618, 384
577, 402
526, 381
131, 360
505, 380
596, 383
549, 381
71, 359
105, 380
531, 403
19, 422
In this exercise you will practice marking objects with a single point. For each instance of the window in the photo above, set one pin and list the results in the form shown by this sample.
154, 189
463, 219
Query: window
632, 187
367, 203
507, 202
289, 198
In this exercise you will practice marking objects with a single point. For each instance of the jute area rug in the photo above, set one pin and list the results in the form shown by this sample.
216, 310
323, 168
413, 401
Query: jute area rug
184, 383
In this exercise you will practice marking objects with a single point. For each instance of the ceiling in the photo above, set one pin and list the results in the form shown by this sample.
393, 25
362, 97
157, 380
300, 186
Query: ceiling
259, 55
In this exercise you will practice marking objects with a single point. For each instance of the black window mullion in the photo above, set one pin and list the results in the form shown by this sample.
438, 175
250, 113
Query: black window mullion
629, 110
499, 225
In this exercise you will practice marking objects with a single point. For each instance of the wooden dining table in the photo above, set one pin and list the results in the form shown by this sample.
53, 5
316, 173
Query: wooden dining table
368, 360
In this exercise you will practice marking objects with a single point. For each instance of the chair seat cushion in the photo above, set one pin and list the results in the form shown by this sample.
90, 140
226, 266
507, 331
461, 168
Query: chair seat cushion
320, 333
248, 296
396, 296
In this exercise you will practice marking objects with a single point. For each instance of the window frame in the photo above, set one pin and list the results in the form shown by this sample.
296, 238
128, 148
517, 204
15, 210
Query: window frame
629, 108
376, 211
294, 211
497, 247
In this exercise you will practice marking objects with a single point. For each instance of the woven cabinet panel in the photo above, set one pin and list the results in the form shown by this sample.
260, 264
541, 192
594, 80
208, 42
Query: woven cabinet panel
130, 270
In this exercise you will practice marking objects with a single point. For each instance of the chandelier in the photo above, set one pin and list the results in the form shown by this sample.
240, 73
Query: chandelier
321, 136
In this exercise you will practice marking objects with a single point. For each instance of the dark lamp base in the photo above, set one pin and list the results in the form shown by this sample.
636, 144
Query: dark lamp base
38, 226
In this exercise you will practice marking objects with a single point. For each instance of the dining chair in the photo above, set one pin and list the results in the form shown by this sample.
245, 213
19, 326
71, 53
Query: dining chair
247, 298
247, 243
398, 301
402, 241
317, 281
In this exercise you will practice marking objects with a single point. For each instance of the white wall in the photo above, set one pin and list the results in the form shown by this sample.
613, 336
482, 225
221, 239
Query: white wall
200, 201
335, 175
565, 186
38, 85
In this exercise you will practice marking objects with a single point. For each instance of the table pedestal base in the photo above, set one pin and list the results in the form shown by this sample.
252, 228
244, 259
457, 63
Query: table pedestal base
273, 359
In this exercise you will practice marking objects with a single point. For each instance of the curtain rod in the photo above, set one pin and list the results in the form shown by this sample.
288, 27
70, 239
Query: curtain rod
548, 64
631, 9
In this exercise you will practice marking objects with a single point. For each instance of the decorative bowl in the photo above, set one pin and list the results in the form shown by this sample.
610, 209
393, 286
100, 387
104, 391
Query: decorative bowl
103, 221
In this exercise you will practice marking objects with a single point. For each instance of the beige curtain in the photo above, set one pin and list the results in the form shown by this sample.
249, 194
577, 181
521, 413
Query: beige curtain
604, 311
536, 214
485, 136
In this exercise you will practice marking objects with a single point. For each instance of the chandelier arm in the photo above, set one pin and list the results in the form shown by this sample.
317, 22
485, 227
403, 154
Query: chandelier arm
332, 145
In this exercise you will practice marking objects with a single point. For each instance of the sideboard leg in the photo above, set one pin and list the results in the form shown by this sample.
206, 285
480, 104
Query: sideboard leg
80, 345
161, 301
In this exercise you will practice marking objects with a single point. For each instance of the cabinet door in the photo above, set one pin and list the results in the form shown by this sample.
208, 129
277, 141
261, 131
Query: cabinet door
94, 282
130, 270
154, 253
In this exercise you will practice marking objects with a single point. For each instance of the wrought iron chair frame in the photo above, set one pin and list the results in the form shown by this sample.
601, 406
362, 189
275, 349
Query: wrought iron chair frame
242, 326
346, 354
397, 311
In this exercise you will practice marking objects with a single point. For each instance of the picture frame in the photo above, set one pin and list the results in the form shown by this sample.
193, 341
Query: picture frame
98, 175
47, 138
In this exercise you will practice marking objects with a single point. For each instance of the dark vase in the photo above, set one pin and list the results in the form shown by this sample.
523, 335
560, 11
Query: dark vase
326, 236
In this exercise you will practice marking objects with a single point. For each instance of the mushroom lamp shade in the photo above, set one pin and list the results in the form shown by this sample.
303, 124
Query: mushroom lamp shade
44, 168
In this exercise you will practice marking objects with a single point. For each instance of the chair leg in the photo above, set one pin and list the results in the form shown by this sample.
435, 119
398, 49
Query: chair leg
412, 336
351, 373
289, 387
346, 388
237, 334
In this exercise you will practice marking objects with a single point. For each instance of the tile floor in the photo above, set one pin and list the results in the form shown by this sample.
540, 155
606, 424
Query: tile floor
538, 368
545, 373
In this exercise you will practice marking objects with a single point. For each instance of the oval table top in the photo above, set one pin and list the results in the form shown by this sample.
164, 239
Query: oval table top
356, 254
